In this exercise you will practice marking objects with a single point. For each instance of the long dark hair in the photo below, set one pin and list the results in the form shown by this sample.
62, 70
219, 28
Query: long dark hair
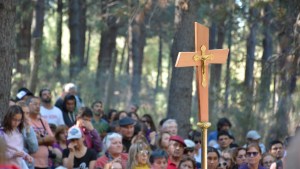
7, 120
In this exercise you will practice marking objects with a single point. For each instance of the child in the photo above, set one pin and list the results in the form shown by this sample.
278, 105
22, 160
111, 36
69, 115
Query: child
12, 126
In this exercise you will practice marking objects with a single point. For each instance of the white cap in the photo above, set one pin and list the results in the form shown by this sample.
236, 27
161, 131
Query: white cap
253, 134
189, 143
74, 133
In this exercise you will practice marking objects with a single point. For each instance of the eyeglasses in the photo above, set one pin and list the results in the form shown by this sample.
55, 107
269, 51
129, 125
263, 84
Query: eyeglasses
144, 152
222, 164
252, 154
196, 142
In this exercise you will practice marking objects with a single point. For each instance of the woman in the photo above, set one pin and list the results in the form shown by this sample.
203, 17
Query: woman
187, 163
12, 126
239, 157
138, 156
151, 129
267, 160
112, 148
61, 134
253, 154
163, 140
77, 155
226, 159
212, 158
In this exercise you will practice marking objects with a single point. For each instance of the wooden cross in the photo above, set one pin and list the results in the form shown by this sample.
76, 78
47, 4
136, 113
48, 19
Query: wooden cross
201, 58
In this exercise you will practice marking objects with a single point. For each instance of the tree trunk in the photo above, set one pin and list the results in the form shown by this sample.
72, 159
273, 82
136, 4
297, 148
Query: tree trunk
180, 95
59, 22
251, 43
77, 27
25, 13
7, 50
215, 77
137, 41
266, 71
107, 47
159, 64
37, 43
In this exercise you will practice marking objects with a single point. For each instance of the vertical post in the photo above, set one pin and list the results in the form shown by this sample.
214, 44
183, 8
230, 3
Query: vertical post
204, 126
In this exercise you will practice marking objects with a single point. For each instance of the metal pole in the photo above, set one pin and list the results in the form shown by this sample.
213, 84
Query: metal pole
204, 126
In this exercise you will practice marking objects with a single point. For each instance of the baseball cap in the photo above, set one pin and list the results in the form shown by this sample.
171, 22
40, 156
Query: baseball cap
178, 139
23, 92
126, 121
74, 133
253, 134
189, 143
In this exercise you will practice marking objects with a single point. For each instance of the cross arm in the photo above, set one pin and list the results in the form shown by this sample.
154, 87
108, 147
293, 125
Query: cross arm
219, 56
186, 59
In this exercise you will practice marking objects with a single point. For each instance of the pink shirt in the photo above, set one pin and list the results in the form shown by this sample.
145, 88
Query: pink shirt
15, 143
41, 156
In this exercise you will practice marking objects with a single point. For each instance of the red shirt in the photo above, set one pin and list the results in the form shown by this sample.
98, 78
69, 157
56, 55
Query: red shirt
171, 165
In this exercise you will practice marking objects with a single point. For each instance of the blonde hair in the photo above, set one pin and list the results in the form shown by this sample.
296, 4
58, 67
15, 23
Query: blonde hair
133, 153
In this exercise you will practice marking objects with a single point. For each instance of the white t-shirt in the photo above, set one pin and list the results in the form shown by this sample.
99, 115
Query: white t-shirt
53, 115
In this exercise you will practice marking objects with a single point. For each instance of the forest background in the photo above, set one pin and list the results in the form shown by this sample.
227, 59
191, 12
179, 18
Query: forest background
124, 51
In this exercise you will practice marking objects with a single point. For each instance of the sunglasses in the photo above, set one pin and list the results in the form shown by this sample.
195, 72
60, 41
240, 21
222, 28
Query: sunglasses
222, 164
196, 142
252, 154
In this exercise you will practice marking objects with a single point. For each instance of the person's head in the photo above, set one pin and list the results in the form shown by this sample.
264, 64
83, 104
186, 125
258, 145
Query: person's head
226, 160
13, 119
70, 88
158, 159
276, 149
23, 94
112, 143
253, 153
212, 158
170, 125
84, 114
239, 156
223, 124
267, 160
134, 116
115, 164
61, 133
224, 139
25, 109
34, 105
97, 107
253, 137
133, 108
69, 103
189, 150
163, 140
147, 119
112, 114
187, 162
176, 148
138, 154
45, 95
127, 127
75, 136
195, 136
121, 114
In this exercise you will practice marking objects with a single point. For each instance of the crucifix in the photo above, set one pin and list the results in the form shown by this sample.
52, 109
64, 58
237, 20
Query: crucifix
201, 59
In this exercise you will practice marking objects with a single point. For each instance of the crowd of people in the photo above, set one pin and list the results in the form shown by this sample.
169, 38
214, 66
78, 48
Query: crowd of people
37, 134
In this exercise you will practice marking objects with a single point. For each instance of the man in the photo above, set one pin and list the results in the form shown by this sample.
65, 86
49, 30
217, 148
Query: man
276, 149
99, 123
224, 141
126, 130
223, 125
71, 89
43, 132
158, 159
170, 125
77, 155
175, 150
91, 136
69, 106
254, 137
49, 112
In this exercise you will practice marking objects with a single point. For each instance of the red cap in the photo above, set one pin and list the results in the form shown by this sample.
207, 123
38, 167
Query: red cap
178, 139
